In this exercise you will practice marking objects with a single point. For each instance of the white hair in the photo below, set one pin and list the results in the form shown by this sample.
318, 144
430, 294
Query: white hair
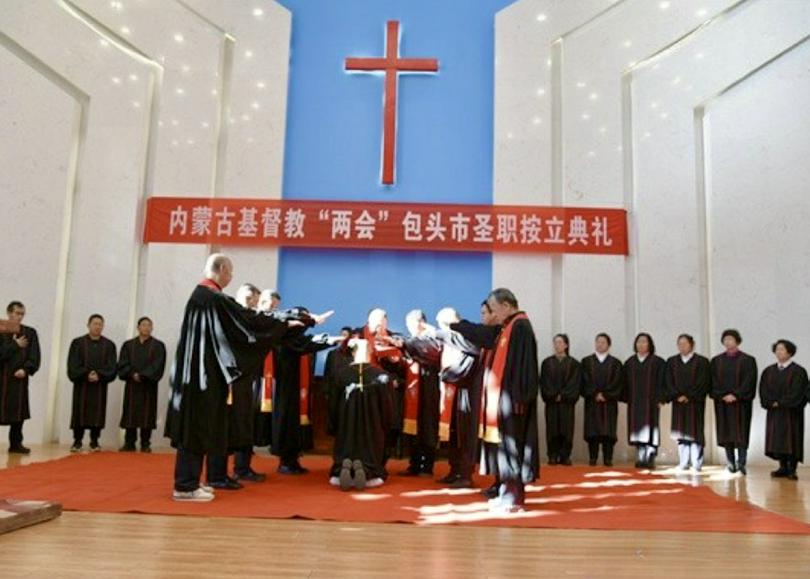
244, 292
375, 318
446, 316
215, 263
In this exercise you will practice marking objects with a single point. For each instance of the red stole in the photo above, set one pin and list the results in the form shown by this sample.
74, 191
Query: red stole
268, 383
211, 284
304, 380
493, 378
410, 414
447, 395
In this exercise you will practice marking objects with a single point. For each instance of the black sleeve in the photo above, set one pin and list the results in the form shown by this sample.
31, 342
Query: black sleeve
33, 357
522, 375
793, 395
479, 334
109, 366
747, 389
124, 363
570, 391
157, 366
77, 370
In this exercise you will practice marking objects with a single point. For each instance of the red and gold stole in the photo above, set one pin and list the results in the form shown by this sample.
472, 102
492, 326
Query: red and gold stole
493, 377
304, 380
410, 413
447, 395
268, 382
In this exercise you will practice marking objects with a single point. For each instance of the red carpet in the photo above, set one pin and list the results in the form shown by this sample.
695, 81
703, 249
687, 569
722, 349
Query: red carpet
566, 497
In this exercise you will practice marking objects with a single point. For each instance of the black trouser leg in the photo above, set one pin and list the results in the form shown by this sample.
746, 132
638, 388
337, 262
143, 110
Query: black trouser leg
593, 450
15, 434
217, 467
95, 432
241, 461
731, 459
187, 470
130, 437
78, 436
553, 447
565, 449
742, 457
146, 437
607, 450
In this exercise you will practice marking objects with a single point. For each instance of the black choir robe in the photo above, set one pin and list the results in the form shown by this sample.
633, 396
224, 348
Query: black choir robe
784, 430
560, 377
693, 380
14, 406
643, 390
361, 417
90, 398
220, 341
733, 375
520, 385
427, 352
148, 360
288, 438
605, 377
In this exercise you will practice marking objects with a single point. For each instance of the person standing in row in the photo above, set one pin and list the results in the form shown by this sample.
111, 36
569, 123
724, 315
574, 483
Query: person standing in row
92, 365
602, 383
643, 391
560, 380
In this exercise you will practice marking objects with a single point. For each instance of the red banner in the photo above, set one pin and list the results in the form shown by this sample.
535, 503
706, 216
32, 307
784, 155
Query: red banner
402, 226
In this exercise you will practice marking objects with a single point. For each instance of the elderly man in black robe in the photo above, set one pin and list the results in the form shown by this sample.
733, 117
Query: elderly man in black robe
219, 342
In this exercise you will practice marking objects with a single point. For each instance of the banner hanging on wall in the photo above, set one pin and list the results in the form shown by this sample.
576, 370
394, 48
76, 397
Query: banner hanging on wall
398, 226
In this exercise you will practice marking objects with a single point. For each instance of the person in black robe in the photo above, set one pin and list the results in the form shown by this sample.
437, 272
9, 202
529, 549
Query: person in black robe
782, 391
510, 395
92, 365
688, 381
220, 341
362, 414
643, 393
19, 360
424, 440
288, 438
560, 380
602, 386
734, 384
141, 364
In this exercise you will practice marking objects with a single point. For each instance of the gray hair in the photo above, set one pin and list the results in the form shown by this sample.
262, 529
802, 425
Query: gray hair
502, 295
215, 263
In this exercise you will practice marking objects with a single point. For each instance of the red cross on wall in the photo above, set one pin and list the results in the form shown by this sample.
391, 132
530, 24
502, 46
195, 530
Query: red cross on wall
392, 64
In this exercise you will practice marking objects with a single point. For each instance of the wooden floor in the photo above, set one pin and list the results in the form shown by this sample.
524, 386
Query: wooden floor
100, 545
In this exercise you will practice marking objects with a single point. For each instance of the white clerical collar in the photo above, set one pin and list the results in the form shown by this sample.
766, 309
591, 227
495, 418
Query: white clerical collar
786, 364
685, 359
602, 357
641, 358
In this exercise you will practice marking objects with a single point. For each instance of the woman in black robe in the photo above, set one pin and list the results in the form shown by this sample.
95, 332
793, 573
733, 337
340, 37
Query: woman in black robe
688, 381
782, 390
560, 380
643, 392
602, 384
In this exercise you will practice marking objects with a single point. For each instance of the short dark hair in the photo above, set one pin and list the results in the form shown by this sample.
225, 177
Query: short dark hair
649, 340
733, 333
275, 295
144, 319
605, 336
484, 304
503, 296
346, 329
789, 346
14, 304
93, 317
564, 338
688, 338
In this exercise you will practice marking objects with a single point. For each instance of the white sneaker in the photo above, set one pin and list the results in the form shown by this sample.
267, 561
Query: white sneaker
334, 481
206, 488
198, 496
375, 482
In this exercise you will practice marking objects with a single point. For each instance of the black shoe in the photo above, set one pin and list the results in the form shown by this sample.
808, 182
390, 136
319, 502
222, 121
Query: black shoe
77, 447
608, 462
146, 448
552, 460
95, 447
228, 484
358, 475
742, 470
792, 475
19, 449
251, 476
638, 464
491, 492
127, 448
779, 473
592, 462
566, 461
732, 468
294, 468
449, 479
346, 475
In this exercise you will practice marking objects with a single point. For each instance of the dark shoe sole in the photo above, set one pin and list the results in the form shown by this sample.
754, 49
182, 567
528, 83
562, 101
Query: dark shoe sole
359, 475
346, 475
